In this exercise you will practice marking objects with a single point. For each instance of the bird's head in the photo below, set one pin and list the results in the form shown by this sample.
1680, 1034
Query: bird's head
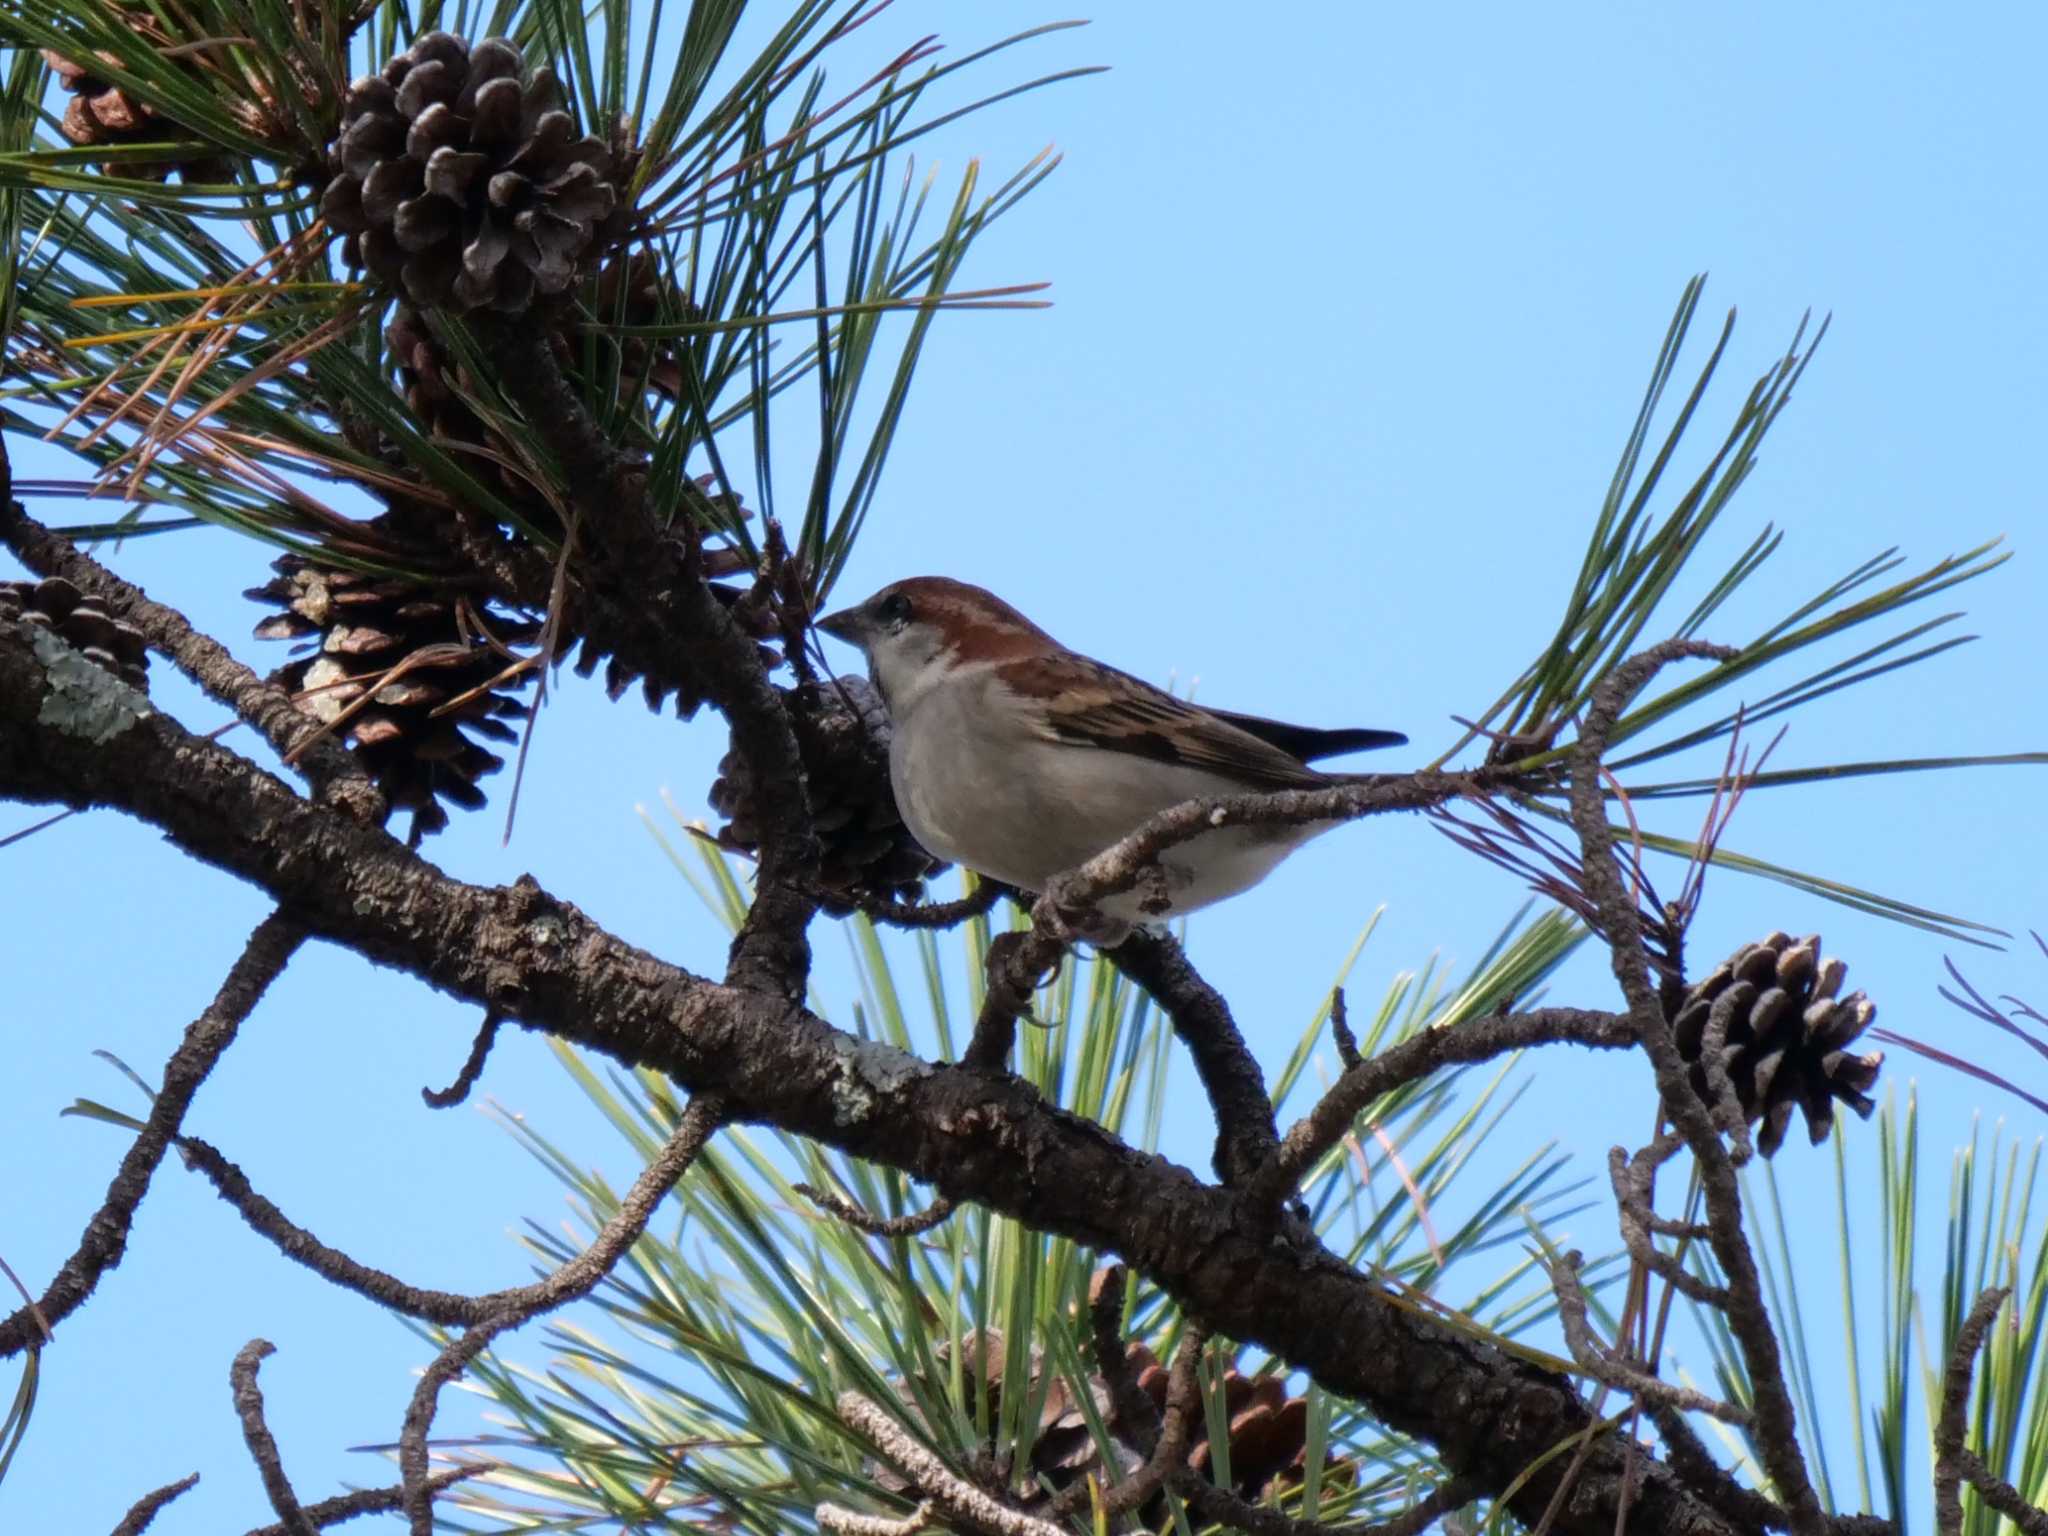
919, 631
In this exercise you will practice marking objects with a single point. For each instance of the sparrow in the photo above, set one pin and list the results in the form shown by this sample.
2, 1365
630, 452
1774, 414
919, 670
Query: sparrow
1020, 759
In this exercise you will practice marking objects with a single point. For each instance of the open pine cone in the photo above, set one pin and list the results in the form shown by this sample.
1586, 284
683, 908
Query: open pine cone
102, 113
1783, 1034
1268, 1429
96, 634
410, 733
459, 175
842, 733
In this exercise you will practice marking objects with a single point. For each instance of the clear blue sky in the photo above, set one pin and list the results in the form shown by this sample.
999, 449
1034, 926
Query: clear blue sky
1354, 304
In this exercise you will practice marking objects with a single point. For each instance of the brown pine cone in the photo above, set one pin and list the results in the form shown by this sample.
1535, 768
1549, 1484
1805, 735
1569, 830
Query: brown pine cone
1268, 1429
842, 734
1772, 1013
460, 176
424, 641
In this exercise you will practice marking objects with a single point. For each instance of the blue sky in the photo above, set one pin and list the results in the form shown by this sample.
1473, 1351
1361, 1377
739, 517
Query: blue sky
1353, 307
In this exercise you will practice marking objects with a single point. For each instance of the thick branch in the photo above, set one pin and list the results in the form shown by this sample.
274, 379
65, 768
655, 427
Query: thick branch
976, 1136
106, 1235
656, 578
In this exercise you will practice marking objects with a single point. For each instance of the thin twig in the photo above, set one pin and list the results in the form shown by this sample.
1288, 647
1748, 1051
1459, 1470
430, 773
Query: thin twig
935, 914
573, 1279
472, 1069
908, 1225
1777, 1431
1340, 1030
1633, 1179
105, 1239
847, 1522
1331, 1120
1608, 1368
262, 1444
144, 1509
1163, 1437
1017, 962
448, 1308
374, 1501
1954, 1462
958, 1500
1164, 1440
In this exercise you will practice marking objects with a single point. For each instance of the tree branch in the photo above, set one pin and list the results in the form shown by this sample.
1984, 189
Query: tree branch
1246, 1136
1330, 1121
659, 578
946, 1491
1062, 911
577, 1277
1954, 1462
297, 736
262, 1444
1608, 1368
105, 1239
1777, 1431
912, 1224
372, 1501
976, 1136
144, 1510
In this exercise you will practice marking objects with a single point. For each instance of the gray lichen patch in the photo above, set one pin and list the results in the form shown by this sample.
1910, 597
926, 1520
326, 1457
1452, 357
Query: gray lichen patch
868, 1072
83, 698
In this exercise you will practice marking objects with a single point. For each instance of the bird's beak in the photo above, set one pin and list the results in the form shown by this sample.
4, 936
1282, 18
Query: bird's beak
844, 625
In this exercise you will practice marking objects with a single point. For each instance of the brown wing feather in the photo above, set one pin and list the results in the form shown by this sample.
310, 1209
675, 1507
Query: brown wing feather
1121, 713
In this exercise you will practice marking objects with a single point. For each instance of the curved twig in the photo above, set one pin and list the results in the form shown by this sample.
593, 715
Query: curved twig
910, 1224
105, 1239
1777, 1437
514, 1308
1954, 1462
144, 1510
262, 1444
472, 1069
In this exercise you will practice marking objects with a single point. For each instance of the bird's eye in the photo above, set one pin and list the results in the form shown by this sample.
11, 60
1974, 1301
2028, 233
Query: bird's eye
894, 610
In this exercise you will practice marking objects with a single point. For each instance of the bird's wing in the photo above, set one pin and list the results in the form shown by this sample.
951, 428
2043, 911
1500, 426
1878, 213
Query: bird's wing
1085, 703
1309, 742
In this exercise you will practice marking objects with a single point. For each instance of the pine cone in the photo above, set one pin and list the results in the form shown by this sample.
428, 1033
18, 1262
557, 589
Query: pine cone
1783, 1036
367, 627
459, 175
96, 634
101, 112
842, 734
1268, 1433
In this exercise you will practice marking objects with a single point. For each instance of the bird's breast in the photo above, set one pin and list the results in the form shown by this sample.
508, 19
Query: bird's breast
976, 785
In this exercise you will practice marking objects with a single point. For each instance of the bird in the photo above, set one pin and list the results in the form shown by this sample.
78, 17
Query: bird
1021, 759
